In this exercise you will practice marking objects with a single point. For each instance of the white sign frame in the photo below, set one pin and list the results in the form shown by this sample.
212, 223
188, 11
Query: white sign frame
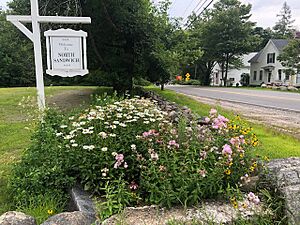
66, 33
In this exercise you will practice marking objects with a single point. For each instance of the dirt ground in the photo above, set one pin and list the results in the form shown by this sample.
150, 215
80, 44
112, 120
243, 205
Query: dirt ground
285, 121
69, 99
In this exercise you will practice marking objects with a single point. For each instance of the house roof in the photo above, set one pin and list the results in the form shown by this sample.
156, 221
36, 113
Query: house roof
255, 57
279, 44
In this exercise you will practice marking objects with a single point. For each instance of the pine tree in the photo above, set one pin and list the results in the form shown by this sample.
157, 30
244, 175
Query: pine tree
283, 27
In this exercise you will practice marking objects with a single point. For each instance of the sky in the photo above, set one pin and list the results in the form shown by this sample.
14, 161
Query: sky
263, 11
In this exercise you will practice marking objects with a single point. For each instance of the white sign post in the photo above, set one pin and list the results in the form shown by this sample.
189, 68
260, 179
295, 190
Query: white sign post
35, 36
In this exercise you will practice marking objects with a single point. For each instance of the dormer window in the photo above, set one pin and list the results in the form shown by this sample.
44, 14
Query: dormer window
271, 58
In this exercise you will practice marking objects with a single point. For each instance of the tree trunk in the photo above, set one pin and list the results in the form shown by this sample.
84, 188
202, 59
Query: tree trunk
226, 70
162, 86
223, 77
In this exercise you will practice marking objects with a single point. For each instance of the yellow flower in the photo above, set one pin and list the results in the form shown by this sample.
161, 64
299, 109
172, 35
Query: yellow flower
244, 205
50, 212
252, 168
230, 164
235, 204
266, 158
241, 155
228, 172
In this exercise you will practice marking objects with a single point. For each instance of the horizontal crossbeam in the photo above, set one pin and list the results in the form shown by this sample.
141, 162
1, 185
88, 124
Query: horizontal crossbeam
50, 19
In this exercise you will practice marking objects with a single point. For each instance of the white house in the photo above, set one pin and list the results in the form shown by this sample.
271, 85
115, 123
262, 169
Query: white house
234, 76
265, 68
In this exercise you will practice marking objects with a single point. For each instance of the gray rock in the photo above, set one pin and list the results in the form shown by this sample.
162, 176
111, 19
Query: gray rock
275, 88
292, 198
284, 174
264, 86
82, 201
283, 88
70, 218
291, 88
16, 218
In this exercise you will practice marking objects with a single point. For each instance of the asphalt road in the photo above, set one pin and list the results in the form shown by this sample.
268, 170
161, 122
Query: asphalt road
266, 98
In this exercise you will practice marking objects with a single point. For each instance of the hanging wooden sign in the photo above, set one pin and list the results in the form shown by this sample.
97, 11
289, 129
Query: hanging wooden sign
66, 52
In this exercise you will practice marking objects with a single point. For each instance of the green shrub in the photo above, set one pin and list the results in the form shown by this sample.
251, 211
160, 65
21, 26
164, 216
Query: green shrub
189, 82
158, 162
141, 82
44, 167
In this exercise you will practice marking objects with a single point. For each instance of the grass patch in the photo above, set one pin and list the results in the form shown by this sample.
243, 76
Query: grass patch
272, 143
16, 129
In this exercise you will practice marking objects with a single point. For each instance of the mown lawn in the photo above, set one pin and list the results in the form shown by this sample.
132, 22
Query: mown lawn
16, 127
272, 143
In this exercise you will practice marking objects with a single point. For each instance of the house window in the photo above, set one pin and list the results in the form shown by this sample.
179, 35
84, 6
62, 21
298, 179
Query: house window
254, 75
260, 75
279, 74
271, 58
287, 77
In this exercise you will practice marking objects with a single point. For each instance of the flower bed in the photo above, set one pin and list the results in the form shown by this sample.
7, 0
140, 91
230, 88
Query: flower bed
130, 152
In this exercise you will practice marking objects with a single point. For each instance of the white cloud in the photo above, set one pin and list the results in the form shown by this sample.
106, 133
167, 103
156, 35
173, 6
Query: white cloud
263, 11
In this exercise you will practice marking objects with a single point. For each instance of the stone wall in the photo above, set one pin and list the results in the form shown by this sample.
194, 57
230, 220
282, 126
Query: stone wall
284, 174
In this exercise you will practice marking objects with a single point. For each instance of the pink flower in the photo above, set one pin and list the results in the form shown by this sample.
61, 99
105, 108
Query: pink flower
119, 157
133, 186
220, 122
120, 160
253, 198
173, 143
150, 133
226, 150
256, 200
213, 112
234, 141
207, 120
146, 134
159, 141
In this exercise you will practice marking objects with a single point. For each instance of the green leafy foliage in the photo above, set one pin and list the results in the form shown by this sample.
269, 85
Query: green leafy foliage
44, 167
16, 58
290, 57
41, 207
128, 151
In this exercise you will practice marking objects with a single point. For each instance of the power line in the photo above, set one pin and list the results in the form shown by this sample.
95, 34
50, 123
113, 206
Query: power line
200, 13
173, 4
187, 8
201, 6
185, 20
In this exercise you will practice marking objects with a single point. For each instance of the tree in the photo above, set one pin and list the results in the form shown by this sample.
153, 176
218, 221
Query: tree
290, 57
283, 27
16, 56
264, 35
225, 33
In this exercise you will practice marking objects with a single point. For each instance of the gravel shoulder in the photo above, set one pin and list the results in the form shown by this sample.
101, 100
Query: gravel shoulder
284, 121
